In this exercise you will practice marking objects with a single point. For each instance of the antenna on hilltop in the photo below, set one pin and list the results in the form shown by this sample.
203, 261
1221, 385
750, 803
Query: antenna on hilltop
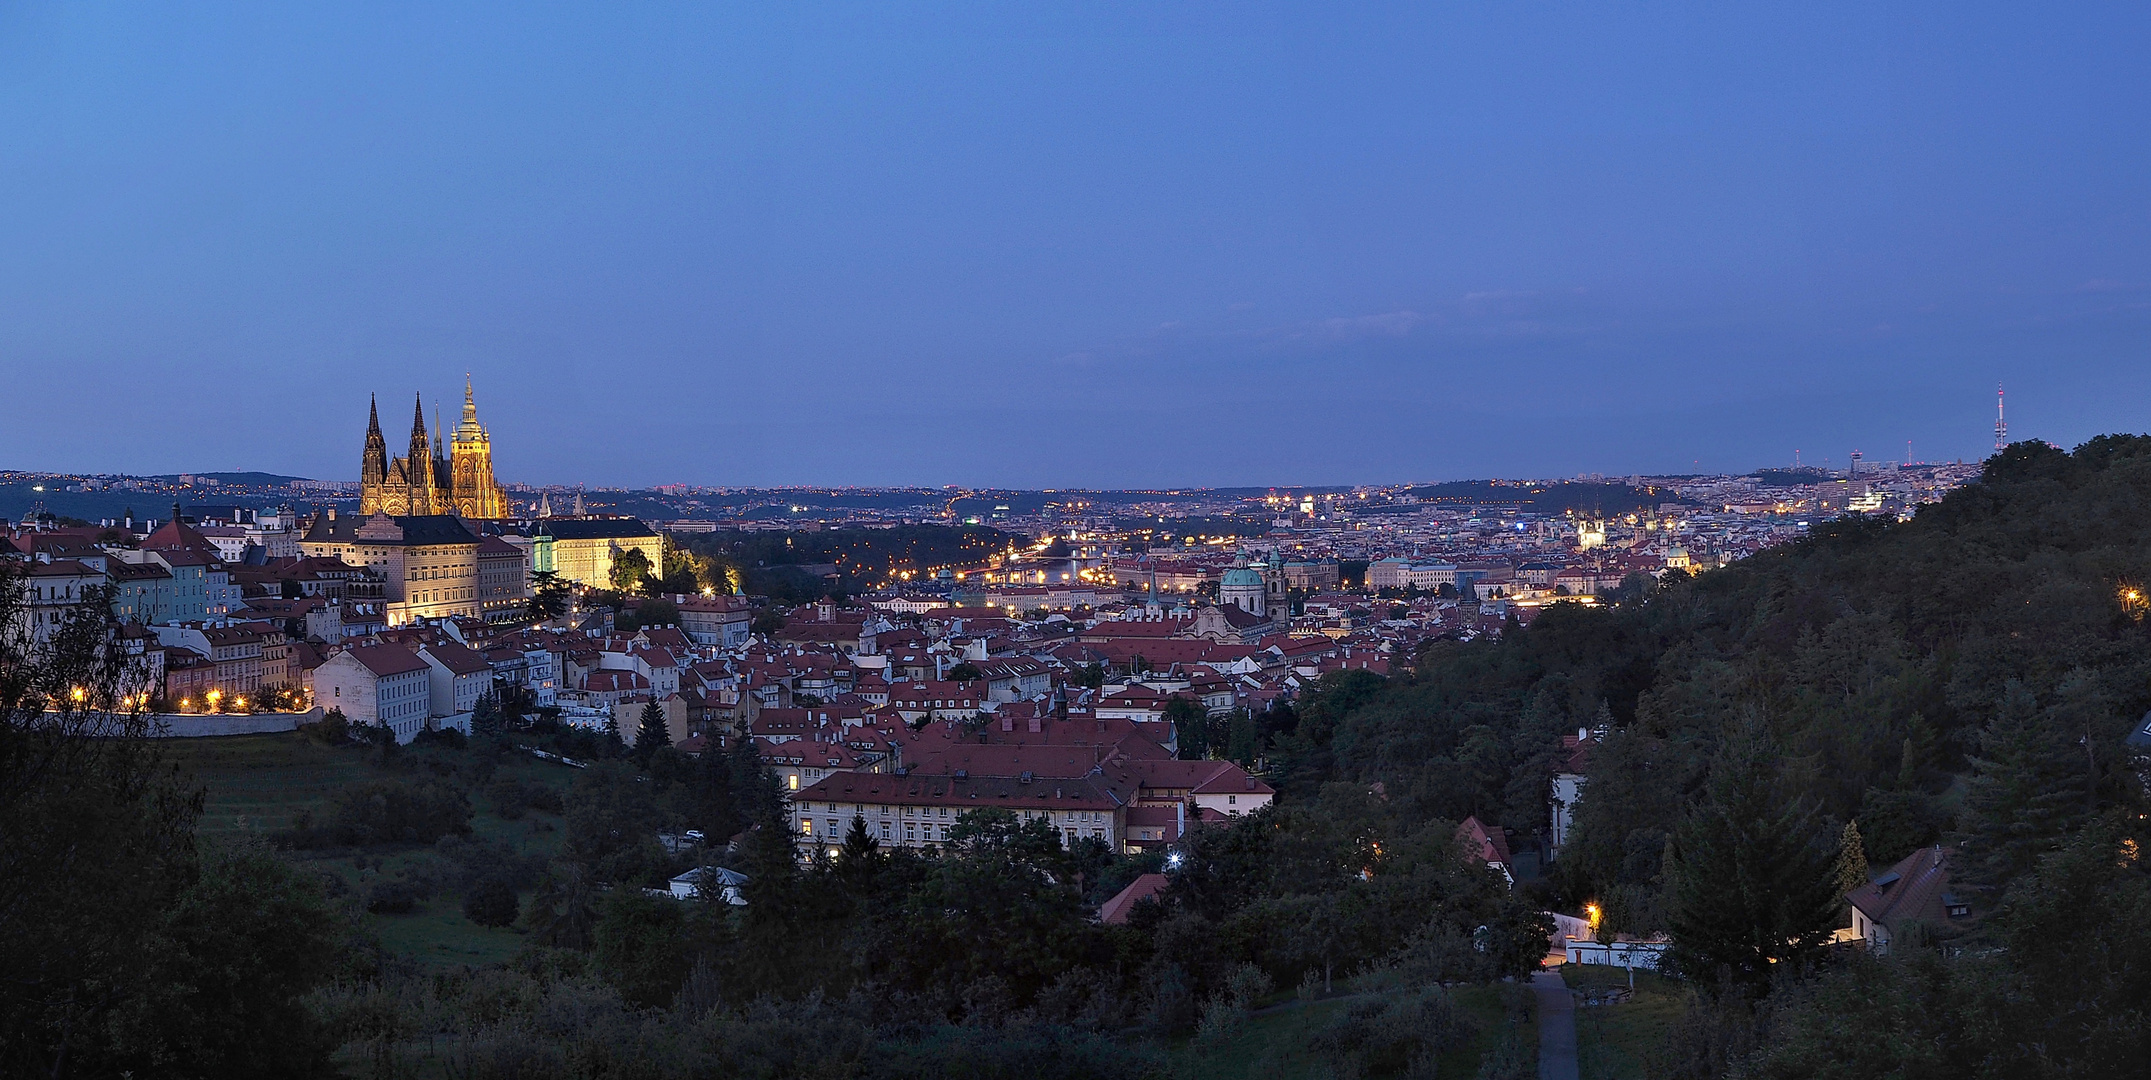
2001, 424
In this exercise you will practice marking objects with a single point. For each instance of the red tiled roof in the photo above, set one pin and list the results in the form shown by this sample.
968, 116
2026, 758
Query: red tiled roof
386, 660
1115, 911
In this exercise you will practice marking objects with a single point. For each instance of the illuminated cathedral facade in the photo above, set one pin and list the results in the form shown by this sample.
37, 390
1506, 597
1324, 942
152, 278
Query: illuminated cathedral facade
427, 479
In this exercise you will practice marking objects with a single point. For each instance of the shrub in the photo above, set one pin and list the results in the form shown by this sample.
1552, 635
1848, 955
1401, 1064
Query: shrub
333, 728
511, 797
389, 811
1402, 1033
391, 896
492, 902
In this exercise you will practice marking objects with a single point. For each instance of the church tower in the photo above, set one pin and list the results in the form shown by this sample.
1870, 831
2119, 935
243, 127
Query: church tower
470, 471
373, 464
441, 474
418, 464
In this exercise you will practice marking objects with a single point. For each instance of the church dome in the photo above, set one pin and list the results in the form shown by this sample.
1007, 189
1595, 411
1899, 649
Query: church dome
1241, 576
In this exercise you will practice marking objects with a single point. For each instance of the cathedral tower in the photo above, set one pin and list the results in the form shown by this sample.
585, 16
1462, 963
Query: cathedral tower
470, 469
373, 466
437, 475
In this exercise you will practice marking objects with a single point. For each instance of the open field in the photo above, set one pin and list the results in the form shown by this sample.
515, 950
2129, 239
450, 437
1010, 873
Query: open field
260, 783
1276, 1044
1618, 1042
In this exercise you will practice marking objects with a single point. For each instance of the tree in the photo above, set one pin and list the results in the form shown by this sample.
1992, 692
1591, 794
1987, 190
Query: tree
630, 569
548, 595
1851, 872
486, 719
2027, 789
717, 577
1191, 727
115, 955
860, 849
657, 611
491, 902
638, 939
1754, 883
965, 672
652, 733
564, 911
1244, 738
615, 745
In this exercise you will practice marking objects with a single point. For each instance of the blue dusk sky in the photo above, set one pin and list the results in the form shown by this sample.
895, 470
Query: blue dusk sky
1059, 245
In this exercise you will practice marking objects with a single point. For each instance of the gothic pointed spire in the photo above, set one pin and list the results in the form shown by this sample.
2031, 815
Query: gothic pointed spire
373, 415
418, 417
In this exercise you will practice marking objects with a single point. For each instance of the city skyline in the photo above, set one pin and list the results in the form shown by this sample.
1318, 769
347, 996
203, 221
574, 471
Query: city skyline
1111, 248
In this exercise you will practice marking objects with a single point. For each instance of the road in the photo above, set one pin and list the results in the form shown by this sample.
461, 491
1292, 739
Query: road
1557, 1027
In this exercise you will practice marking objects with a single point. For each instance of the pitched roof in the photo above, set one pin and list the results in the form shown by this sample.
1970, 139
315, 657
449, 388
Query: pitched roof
1488, 845
386, 660
1917, 888
458, 659
1115, 911
598, 529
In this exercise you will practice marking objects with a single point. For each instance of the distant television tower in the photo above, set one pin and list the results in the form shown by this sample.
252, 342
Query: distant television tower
2001, 425
1854, 472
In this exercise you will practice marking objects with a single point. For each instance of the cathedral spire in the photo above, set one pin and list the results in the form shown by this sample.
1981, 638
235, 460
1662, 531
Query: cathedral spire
418, 418
373, 417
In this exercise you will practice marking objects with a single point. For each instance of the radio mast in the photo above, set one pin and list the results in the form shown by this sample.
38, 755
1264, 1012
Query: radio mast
2001, 425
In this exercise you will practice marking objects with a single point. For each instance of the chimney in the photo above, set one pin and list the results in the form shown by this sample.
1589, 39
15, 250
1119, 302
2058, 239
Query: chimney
1008, 723
1034, 725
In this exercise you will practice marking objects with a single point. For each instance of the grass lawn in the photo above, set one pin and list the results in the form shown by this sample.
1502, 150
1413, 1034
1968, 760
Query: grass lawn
1617, 1042
257, 783
1275, 1045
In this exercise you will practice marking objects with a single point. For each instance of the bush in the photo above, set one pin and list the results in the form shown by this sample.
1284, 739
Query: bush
417, 811
333, 728
511, 797
1403, 1033
391, 896
450, 738
475, 861
491, 902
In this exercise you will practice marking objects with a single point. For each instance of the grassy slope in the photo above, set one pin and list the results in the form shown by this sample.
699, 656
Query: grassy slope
1617, 1042
1274, 1045
258, 782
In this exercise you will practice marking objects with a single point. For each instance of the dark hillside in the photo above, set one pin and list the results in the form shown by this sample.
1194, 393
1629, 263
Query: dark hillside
1966, 678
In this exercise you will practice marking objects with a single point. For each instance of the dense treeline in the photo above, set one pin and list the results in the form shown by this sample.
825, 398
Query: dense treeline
768, 563
1965, 678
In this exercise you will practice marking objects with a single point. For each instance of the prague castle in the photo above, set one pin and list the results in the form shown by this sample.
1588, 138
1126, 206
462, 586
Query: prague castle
426, 480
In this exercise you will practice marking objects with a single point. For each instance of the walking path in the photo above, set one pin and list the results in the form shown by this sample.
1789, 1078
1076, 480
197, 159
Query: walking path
1557, 1027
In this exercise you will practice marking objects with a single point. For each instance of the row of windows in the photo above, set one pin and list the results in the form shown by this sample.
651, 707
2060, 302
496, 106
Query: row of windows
1083, 816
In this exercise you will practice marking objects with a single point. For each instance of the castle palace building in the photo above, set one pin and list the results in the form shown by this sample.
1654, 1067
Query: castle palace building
427, 481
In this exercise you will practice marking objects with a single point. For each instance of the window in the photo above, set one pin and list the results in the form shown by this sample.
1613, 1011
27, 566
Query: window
806, 826
884, 830
793, 780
